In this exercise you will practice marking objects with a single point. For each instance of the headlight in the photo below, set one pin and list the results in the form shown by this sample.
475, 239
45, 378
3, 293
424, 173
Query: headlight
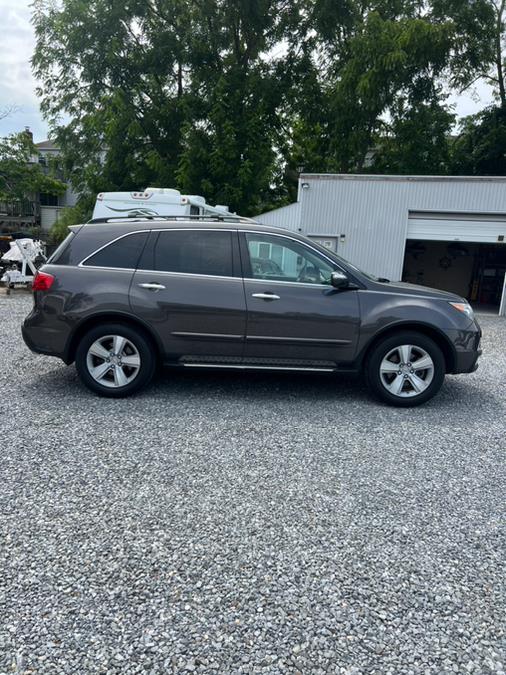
463, 307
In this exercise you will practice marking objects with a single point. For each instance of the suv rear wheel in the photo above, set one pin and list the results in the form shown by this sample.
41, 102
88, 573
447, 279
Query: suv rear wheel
406, 369
115, 360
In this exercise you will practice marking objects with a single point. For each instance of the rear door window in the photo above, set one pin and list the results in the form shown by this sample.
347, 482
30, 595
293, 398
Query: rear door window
194, 252
122, 253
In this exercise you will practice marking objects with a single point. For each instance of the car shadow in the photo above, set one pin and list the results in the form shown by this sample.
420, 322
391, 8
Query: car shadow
342, 391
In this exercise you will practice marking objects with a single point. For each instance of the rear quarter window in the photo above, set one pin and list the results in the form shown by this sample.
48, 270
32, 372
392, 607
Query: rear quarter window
122, 253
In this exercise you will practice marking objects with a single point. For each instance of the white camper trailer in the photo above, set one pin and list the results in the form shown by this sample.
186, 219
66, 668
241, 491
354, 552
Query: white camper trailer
153, 202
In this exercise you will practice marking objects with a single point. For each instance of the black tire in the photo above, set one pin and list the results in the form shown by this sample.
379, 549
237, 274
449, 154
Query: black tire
376, 381
145, 355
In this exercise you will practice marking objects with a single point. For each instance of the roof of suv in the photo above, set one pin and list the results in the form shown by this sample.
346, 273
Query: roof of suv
128, 224
95, 234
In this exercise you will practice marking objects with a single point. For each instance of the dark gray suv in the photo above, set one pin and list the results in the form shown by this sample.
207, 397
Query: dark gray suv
119, 297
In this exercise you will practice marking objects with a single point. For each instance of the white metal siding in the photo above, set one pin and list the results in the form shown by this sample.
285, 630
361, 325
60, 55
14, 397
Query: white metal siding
372, 211
502, 308
49, 216
370, 214
372, 232
287, 217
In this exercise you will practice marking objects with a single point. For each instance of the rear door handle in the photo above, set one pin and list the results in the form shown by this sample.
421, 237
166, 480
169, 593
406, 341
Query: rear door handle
153, 287
266, 296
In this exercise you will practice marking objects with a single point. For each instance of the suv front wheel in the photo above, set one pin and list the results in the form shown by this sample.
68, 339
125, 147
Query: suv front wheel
405, 369
114, 360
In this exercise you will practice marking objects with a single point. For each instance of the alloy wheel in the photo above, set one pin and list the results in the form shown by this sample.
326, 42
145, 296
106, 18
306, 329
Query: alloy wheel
407, 371
113, 361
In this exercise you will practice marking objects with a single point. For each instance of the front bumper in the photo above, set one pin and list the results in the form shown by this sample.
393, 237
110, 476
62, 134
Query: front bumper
467, 362
468, 350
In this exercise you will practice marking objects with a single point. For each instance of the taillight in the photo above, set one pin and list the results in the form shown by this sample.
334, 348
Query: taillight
42, 281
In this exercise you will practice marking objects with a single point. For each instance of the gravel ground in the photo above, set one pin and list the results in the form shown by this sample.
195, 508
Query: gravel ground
249, 523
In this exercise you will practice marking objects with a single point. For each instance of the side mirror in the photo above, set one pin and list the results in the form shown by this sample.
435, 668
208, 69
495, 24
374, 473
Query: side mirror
339, 280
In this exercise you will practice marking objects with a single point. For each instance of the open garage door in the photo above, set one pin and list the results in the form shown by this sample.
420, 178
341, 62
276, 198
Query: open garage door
460, 252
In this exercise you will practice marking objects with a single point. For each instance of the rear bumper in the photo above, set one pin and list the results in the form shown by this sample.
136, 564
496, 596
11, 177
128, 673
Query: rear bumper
29, 342
41, 337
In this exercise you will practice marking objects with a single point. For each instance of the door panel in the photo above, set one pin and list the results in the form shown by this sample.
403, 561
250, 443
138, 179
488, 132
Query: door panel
306, 320
193, 314
308, 323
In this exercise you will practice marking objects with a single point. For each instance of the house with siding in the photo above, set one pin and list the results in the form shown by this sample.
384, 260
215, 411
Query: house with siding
37, 211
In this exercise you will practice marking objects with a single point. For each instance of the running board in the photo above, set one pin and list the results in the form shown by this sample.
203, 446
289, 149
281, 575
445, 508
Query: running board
245, 366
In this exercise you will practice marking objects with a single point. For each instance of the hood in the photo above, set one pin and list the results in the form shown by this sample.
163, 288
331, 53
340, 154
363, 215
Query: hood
415, 289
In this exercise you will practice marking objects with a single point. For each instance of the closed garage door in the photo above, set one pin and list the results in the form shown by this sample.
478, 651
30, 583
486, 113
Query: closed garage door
442, 226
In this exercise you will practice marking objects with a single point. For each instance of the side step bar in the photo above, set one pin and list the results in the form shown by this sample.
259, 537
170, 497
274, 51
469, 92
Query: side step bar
245, 366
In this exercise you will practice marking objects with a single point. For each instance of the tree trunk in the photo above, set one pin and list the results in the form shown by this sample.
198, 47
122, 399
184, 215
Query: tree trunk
499, 63
179, 80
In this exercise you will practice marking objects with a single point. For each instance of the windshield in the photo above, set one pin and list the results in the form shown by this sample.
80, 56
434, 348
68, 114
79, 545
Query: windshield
345, 263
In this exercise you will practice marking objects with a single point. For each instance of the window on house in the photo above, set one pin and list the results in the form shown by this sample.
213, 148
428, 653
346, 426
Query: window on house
47, 199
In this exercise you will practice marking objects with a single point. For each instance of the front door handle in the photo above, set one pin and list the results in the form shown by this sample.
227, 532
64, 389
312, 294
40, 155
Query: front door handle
266, 296
153, 287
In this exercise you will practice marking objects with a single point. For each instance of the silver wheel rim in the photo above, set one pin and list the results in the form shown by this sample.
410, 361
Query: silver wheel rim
113, 361
407, 371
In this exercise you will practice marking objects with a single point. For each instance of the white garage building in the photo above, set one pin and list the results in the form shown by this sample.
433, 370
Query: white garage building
448, 232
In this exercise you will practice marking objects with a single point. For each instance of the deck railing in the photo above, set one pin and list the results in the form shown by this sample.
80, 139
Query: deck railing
21, 209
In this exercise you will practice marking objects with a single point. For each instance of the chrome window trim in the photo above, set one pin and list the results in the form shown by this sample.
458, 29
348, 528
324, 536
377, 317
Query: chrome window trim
301, 243
185, 274
306, 284
109, 243
156, 229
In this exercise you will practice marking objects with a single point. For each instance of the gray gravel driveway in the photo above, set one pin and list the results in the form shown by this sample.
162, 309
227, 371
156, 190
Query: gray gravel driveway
247, 523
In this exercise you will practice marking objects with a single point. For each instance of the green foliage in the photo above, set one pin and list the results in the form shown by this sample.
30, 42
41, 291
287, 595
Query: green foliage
72, 215
388, 62
473, 25
417, 141
21, 175
480, 148
230, 99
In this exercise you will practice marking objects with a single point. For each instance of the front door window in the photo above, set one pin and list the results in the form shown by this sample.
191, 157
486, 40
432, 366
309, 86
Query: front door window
276, 258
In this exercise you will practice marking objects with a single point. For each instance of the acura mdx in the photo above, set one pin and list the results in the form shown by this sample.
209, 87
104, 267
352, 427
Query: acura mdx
121, 296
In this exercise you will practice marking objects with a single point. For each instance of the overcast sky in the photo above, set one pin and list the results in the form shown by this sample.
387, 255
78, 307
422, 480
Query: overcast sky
17, 85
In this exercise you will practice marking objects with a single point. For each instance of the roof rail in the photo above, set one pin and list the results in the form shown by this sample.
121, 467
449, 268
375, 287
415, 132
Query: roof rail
220, 218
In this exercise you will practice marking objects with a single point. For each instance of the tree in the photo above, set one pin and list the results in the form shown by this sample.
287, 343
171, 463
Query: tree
72, 215
480, 148
162, 93
416, 139
7, 111
372, 62
230, 98
116, 70
478, 37
235, 94
20, 173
